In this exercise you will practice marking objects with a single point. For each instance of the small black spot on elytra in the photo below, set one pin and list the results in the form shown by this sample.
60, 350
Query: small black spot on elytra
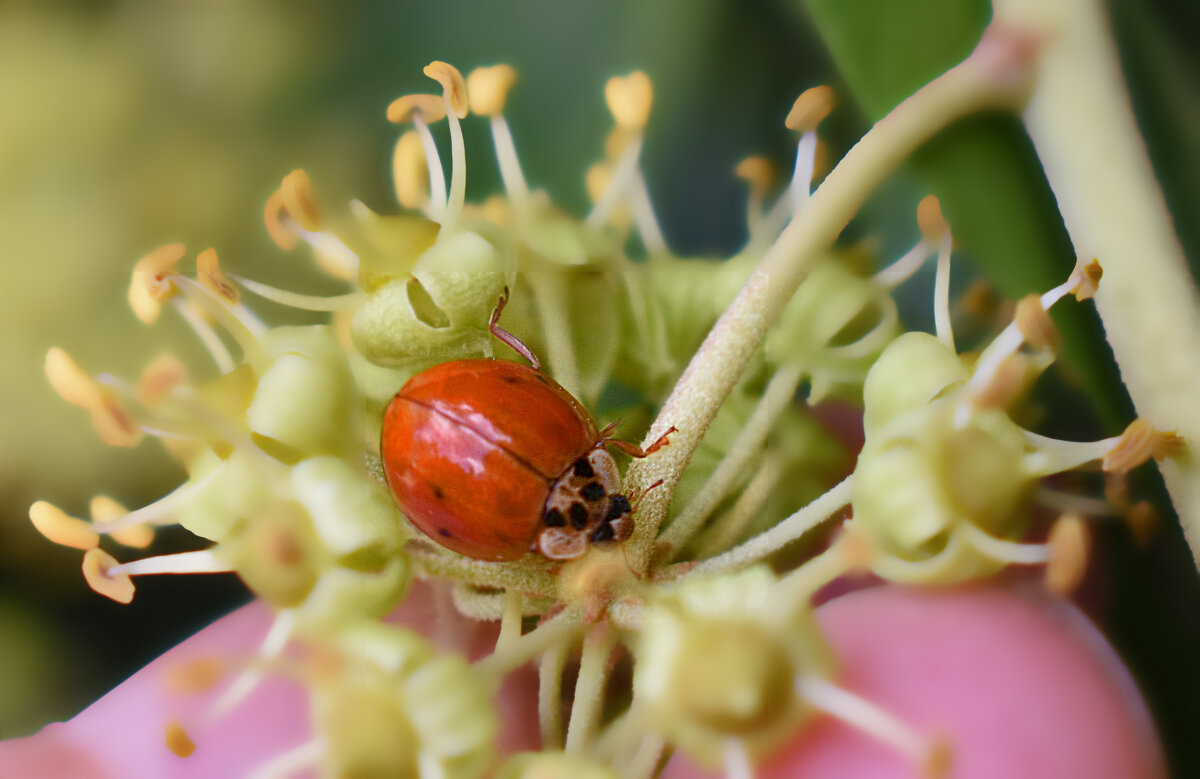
444, 533
437, 492
592, 491
509, 379
555, 518
583, 468
618, 506
604, 533
579, 516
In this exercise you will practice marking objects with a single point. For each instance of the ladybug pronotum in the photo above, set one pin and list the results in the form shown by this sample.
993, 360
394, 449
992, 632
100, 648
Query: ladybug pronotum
493, 459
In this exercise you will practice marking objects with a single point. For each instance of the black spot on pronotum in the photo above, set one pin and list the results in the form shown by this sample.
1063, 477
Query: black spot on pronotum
555, 518
604, 533
618, 506
579, 516
583, 468
592, 492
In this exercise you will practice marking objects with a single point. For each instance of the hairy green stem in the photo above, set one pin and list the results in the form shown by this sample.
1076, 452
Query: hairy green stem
1083, 128
993, 76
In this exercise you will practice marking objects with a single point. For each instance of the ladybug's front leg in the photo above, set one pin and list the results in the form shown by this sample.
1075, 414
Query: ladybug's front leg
631, 449
507, 337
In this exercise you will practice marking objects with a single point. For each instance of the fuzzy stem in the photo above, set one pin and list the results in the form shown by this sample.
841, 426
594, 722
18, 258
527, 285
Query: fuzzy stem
550, 674
526, 580
589, 688
1083, 128
779, 536
532, 644
993, 76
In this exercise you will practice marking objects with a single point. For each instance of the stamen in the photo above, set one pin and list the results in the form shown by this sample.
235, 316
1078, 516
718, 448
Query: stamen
1088, 279
160, 378
1068, 545
1077, 504
941, 294
431, 108
158, 512
1035, 324
488, 89
454, 93
410, 175
202, 561
860, 713
178, 740
629, 99
737, 760
273, 644
1138, 444
622, 177
299, 300
113, 423
810, 109
293, 761
333, 256
151, 282
761, 177
208, 272
207, 335
510, 164
902, 269
237, 320
105, 509
1010, 552
420, 110
60, 528
100, 574
299, 201
644, 218
273, 217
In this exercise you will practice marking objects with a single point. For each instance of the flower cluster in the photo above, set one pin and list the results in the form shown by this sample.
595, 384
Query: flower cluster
281, 448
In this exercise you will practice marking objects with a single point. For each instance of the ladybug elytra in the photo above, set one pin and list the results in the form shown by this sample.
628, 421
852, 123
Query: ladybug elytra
493, 459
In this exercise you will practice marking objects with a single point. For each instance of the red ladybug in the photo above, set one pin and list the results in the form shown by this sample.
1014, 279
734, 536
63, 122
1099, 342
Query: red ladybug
493, 459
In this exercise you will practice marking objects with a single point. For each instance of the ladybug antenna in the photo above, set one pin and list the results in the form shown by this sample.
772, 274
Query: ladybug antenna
507, 337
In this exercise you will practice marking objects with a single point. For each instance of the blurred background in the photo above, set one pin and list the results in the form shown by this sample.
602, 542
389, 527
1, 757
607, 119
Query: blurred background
127, 124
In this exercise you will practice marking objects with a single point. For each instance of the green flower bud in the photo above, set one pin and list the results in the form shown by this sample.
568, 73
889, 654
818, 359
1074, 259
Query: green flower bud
306, 400
368, 732
349, 511
553, 765
718, 662
388, 246
241, 489
277, 554
913, 370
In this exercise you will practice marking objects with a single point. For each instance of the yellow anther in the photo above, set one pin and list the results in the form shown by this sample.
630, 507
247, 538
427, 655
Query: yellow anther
298, 200
1035, 324
105, 509
193, 677
96, 566
159, 378
758, 171
151, 283
813, 105
178, 740
488, 88
598, 178
115, 426
72, 383
208, 270
410, 172
1008, 383
60, 528
932, 224
1088, 279
454, 88
497, 210
1068, 547
630, 98
431, 108
1138, 444
616, 141
273, 214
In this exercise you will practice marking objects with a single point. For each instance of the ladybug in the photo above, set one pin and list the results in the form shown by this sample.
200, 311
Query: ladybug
494, 459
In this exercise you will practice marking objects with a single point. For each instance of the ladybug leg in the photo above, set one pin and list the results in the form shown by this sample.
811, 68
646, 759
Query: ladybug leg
507, 337
637, 451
